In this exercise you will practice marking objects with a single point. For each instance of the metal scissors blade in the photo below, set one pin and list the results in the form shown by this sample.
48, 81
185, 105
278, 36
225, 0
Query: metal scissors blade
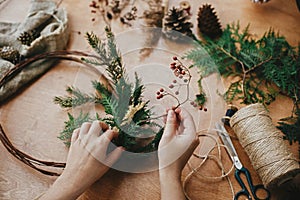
228, 143
239, 168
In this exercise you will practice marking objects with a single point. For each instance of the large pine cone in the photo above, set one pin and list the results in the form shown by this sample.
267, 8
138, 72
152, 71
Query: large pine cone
208, 22
177, 21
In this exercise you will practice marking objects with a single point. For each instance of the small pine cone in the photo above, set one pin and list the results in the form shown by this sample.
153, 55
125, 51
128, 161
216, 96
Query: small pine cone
27, 37
177, 21
208, 22
10, 54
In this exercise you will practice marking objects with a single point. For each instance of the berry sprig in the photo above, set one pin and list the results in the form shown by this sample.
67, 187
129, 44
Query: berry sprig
182, 73
199, 102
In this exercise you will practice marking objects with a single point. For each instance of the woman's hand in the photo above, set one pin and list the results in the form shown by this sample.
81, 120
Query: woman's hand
177, 144
87, 161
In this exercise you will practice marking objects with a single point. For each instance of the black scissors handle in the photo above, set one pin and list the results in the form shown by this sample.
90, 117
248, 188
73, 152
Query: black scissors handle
253, 188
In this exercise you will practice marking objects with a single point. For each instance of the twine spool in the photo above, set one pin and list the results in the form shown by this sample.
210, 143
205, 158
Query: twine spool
263, 143
229, 113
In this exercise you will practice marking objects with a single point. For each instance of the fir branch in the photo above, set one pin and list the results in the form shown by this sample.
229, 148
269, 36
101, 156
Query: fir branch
262, 68
98, 47
137, 92
238, 54
72, 124
108, 54
291, 128
74, 99
101, 89
122, 101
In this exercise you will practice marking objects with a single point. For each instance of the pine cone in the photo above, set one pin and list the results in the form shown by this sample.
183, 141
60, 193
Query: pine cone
27, 37
10, 54
177, 21
208, 22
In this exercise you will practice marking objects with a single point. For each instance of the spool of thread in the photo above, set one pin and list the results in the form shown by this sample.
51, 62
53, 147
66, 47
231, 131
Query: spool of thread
229, 113
263, 143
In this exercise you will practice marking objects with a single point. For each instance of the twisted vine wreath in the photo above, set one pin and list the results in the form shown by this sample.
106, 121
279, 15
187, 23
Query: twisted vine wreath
30, 161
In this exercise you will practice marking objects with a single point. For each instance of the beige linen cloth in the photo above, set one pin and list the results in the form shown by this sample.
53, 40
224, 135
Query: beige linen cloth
52, 24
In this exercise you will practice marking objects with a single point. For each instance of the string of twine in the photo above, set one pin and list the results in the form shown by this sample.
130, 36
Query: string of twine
263, 143
194, 171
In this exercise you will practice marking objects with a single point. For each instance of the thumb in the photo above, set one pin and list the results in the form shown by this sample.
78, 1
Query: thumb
171, 124
114, 156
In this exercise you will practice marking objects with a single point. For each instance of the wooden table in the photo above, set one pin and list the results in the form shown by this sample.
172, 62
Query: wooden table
33, 122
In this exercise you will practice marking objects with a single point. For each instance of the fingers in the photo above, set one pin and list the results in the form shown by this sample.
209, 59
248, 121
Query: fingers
95, 129
107, 136
103, 126
114, 156
171, 124
85, 127
186, 121
75, 135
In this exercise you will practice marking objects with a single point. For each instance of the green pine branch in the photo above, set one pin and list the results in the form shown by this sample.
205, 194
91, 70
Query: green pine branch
262, 68
75, 98
291, 127
123, 103
72, 124
108, 54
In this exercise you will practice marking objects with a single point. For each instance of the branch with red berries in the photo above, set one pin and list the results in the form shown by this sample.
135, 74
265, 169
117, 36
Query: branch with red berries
182, 80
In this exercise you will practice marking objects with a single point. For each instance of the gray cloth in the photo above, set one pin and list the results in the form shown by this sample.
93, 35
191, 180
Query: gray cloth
52, 24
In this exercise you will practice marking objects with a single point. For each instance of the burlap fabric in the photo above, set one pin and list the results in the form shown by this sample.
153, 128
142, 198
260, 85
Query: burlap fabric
52, 25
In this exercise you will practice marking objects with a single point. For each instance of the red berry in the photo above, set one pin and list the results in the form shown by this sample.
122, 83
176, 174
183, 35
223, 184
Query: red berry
161, 90
180, 76
183, 72
200, 107
171, 86
173, 66
177, 93
192, 103
174, 81
175, 58
205, 109
158, 93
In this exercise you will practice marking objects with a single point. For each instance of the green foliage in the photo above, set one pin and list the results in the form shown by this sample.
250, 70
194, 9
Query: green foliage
75, 98
292, 126
108, 54
261, 68
201, 96
124, 106
72, 124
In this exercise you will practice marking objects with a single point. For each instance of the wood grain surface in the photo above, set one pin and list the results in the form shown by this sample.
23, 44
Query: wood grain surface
33, 122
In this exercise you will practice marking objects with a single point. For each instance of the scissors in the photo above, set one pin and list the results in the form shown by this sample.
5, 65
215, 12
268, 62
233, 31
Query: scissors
240, 169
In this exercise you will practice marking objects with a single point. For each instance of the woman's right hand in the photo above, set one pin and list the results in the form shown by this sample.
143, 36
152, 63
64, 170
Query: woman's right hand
176, 146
